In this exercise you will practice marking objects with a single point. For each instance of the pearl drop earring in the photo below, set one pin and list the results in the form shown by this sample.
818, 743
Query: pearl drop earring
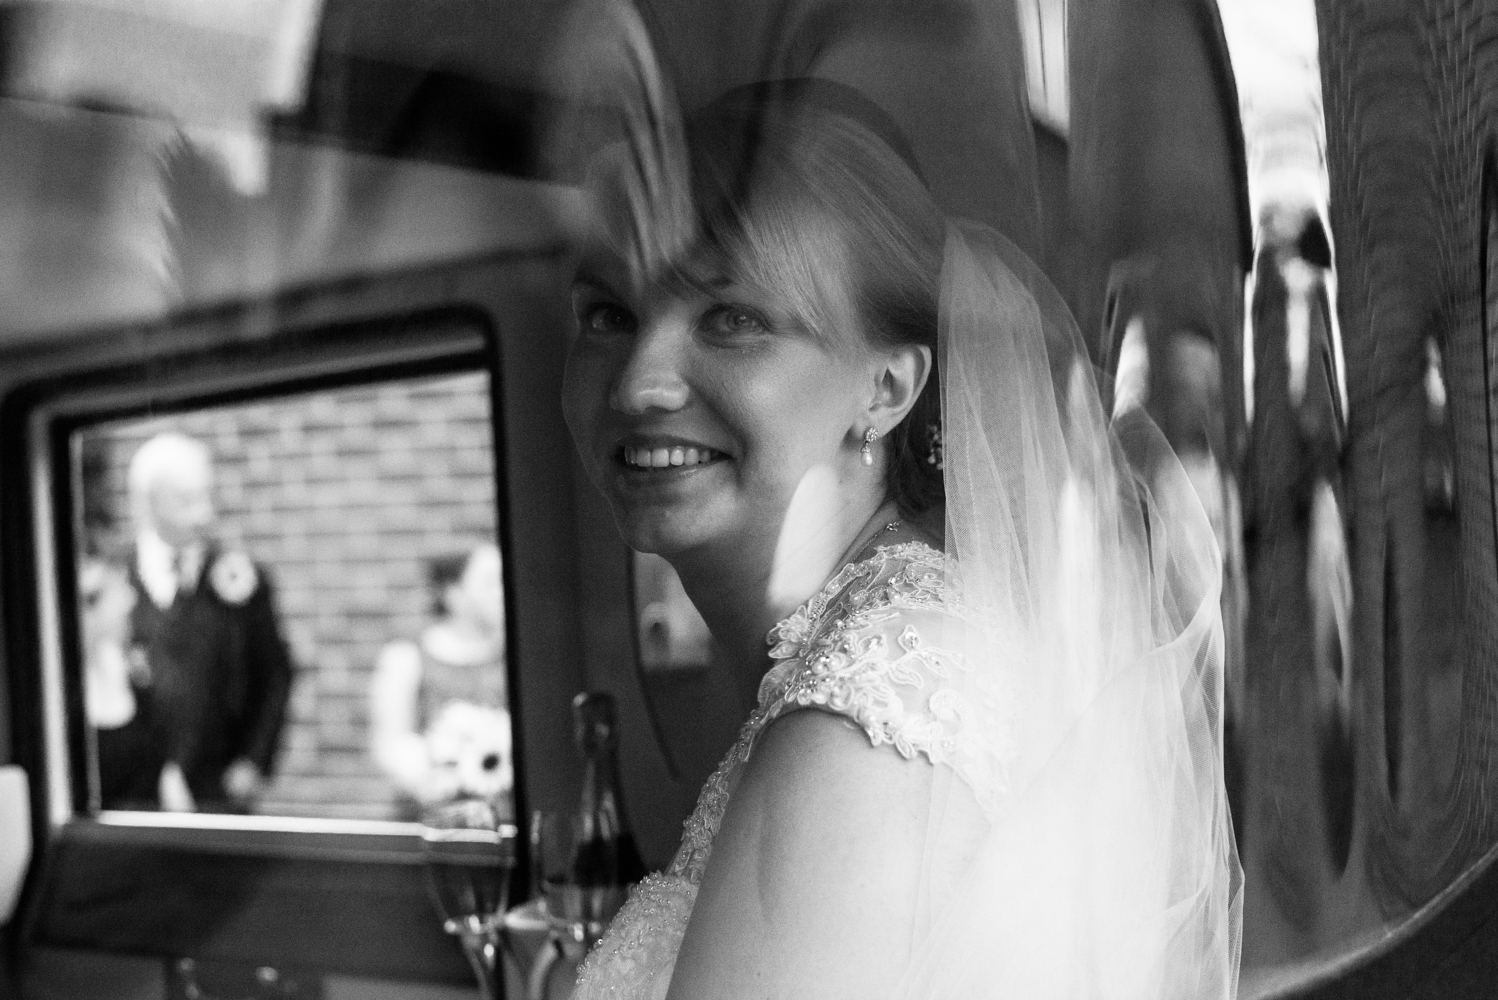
869, 437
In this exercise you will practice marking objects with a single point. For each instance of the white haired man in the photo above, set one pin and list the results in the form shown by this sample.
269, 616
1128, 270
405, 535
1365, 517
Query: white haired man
205, 622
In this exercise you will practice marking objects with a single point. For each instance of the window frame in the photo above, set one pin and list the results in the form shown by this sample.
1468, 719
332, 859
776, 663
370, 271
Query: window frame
344, 896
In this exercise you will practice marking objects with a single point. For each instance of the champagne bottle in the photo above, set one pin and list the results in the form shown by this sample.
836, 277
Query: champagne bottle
605, 855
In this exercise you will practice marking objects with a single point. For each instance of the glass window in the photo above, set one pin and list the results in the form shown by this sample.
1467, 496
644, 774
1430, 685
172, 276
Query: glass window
293, 606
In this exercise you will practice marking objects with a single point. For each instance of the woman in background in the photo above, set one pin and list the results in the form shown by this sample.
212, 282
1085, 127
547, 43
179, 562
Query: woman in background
438, 719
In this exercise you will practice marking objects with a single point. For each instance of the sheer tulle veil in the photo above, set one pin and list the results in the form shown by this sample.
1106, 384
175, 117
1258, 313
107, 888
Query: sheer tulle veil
1090, 627
1089, 578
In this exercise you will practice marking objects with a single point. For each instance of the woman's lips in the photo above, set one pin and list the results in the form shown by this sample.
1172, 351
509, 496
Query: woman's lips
667, 456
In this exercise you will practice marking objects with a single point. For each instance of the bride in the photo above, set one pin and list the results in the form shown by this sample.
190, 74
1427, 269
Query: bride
986, 757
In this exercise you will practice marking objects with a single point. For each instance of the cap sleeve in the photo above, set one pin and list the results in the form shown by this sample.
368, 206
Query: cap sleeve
888, 655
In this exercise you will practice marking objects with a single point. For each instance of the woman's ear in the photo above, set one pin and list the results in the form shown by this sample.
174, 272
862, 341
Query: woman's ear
901, 378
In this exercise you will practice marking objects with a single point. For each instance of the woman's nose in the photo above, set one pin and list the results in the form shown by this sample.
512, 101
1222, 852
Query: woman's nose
652, 379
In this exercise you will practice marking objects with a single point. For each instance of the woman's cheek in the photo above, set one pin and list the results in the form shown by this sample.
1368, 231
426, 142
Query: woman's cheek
584, 394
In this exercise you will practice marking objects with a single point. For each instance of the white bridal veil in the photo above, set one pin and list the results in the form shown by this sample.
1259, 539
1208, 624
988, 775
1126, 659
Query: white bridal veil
1090, 577
1090, 581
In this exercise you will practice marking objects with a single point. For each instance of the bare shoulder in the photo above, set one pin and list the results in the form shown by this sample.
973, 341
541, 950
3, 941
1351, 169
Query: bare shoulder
819, 760
812, 886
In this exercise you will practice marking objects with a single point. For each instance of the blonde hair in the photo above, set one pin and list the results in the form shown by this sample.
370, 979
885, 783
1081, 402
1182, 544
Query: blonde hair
806, 189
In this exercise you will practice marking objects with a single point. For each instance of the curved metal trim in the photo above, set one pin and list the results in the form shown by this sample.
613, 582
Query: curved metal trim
1381, 965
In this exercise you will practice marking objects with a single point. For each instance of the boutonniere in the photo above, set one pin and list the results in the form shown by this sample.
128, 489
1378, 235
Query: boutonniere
233, 577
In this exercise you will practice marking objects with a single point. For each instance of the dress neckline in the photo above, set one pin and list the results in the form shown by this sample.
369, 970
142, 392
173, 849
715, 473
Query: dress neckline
788, 638
914, 550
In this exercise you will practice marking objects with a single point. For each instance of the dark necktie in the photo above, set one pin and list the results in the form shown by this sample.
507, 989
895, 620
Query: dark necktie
180, 569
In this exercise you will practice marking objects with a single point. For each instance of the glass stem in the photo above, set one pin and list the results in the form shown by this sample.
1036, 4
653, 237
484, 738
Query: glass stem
482, 949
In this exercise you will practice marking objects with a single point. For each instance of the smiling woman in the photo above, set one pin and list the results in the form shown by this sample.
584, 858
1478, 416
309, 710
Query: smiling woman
755, 392
665, 457
733, 373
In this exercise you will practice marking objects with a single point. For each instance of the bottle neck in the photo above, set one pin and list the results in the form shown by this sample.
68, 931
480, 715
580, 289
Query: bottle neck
606, 853
602, 804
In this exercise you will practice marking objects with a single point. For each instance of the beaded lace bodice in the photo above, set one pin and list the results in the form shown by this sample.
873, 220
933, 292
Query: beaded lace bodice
860, 648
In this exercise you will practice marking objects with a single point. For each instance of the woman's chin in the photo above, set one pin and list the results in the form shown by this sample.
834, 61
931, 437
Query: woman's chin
651, 538
659, 532
670, 512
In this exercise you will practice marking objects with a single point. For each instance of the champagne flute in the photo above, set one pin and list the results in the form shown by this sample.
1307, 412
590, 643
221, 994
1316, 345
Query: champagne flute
469, 854
576, 873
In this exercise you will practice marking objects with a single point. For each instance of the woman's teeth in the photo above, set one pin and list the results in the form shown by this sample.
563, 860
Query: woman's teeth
662, 458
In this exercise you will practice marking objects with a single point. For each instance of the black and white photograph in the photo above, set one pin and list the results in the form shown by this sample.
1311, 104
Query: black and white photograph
748, 499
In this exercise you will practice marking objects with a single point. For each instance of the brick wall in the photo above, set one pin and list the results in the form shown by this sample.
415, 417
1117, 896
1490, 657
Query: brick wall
343, 495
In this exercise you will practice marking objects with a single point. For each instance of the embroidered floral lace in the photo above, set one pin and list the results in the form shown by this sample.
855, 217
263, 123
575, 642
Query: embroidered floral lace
861, 648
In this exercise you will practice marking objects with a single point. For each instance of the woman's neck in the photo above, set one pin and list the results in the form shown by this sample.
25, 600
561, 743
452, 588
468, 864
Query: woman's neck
744, 587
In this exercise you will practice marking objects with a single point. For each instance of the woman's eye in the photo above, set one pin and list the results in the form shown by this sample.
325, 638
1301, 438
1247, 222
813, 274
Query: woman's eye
605, 317
737, 320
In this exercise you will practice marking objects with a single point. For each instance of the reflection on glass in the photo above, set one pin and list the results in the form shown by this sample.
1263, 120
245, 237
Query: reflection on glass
293, 606
670, 631
1329, 769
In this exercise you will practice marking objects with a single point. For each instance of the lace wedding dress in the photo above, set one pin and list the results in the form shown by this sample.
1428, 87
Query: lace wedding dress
860, 649
1061, 660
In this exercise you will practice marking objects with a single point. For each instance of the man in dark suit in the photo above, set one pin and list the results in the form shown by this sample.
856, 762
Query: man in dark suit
205, 626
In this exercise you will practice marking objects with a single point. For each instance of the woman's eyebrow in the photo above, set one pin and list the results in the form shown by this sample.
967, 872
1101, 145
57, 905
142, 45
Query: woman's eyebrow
719, 283
588, 275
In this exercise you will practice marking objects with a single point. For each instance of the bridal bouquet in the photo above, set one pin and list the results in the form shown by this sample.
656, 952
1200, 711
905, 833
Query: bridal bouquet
470, 751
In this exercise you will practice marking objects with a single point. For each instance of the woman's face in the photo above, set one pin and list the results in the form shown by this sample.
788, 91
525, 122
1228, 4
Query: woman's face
478, 596
699, 413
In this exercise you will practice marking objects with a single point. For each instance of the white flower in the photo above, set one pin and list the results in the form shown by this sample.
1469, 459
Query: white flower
472, 744
233, 577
